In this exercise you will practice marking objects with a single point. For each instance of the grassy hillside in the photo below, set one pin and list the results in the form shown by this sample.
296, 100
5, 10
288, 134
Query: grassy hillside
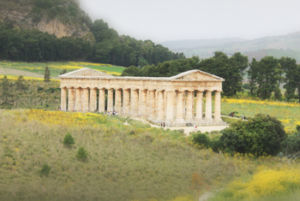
126, 159
56, 67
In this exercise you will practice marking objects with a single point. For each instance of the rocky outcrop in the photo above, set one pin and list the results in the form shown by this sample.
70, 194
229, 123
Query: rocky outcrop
21, 16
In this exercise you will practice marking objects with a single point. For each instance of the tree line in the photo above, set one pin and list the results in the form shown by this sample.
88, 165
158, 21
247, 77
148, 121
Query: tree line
268, 78
106, 46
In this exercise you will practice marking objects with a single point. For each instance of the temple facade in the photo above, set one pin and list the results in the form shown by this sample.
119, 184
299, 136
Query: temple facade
189, 98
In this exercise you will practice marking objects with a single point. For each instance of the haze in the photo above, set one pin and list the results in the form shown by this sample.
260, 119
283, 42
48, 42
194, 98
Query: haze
164, 20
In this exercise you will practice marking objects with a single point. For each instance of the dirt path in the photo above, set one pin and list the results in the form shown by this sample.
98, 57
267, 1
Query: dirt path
9, 71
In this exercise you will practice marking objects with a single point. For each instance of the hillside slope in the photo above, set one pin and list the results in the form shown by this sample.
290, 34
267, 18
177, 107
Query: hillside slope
58, 17
278, 46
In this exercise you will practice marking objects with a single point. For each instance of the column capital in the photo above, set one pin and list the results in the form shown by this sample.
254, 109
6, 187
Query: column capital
190, 90
180, 90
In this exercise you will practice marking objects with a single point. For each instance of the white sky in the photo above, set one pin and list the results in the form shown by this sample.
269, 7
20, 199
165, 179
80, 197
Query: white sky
163, 20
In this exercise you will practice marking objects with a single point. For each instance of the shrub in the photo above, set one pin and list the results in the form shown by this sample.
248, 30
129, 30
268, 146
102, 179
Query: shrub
82, 154
69, 140
201, 140
260, 135
45, 170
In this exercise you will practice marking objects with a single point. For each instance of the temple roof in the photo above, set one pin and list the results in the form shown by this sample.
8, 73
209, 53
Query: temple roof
192, 75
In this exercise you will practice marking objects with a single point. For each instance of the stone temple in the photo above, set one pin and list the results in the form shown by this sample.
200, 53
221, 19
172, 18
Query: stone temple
189, 98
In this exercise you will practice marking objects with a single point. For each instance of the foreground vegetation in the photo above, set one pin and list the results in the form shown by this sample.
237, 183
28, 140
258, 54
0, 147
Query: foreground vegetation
126, 160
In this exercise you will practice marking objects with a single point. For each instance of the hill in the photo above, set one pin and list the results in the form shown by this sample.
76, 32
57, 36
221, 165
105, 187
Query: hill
126, 159
59, 17
278, 46
59, 30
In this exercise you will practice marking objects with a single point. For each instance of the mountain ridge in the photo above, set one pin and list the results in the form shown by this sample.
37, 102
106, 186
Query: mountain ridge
278, 46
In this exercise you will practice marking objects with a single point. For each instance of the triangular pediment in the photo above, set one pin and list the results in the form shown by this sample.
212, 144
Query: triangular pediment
197, 75
85, 72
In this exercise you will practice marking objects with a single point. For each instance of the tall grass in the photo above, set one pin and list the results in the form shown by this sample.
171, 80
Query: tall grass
148, 164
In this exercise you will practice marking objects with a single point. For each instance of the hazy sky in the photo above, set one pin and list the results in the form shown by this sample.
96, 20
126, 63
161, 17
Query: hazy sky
162, 20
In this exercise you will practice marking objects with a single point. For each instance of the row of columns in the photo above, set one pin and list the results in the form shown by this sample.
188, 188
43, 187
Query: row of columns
174, 107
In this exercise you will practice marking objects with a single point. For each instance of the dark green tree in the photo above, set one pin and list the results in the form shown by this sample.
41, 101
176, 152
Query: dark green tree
6, 93
47, 75
290, 69
265, 76
231, 69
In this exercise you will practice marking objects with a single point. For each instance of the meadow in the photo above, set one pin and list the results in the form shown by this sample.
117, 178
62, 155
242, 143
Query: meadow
56, 68
127, 160
287, 113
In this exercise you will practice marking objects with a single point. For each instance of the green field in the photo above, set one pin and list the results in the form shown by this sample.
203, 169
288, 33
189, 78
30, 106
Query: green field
57, 67
287, 113
126, 161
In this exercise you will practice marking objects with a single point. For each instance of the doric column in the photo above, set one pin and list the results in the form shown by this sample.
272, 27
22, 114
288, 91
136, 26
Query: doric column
189, 107
149, 104
85, 99
208, 106
118, 101
199, 110
71, 100
78, 100
134, 102
179, 108
217, 106
93, 100
152, 105
142, 102
170, 107
110, 100
101, 106
126, 101
160, 106
63, 99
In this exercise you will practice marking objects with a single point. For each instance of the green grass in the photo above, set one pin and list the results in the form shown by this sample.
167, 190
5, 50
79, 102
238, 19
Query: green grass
57, 67
145, 164
288, 115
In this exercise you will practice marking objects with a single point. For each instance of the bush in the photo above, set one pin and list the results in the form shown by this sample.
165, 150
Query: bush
201, 139
45, 170
82, 154
261, 135
69, 140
